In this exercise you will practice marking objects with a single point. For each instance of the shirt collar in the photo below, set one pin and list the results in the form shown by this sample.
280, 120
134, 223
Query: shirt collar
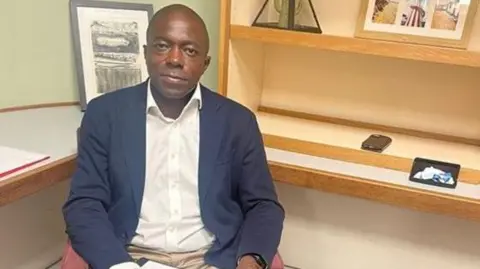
196, 97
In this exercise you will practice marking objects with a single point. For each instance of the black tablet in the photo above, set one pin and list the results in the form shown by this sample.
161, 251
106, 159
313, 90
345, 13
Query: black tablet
436, 173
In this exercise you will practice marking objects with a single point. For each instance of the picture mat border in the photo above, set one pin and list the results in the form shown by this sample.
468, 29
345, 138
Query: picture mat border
75, 28
462, 43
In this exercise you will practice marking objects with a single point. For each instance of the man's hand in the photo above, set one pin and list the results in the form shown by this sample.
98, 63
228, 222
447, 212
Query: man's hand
248, 262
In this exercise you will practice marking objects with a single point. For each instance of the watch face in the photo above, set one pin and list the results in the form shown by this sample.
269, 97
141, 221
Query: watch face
260, 261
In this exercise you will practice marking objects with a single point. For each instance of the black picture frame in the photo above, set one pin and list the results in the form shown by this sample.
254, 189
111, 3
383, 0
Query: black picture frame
112, 58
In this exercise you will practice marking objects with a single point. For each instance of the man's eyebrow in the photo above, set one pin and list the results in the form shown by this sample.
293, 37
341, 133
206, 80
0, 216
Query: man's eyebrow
157, 38
182, 42
191, 42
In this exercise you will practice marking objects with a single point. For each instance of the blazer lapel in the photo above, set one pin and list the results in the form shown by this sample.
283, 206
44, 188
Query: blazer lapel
134, 142
211, 133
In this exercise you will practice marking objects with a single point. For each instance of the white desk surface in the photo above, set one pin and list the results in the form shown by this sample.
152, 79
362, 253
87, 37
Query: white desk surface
52, 131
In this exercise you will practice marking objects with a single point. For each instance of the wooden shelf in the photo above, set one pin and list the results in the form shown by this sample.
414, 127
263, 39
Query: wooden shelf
342, 143
33, 181
336, 142
356, 45
419, 200
308, 135
465, 208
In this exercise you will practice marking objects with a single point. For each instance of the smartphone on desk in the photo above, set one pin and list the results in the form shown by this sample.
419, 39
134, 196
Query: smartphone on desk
376, 143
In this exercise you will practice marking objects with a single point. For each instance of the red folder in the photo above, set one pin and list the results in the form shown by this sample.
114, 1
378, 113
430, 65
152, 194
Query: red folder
13, 160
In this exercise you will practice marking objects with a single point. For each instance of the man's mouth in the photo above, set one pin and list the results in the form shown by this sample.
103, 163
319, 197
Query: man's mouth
173, 78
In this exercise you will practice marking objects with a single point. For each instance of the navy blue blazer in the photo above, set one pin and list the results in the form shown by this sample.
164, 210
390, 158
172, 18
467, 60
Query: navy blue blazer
237, 196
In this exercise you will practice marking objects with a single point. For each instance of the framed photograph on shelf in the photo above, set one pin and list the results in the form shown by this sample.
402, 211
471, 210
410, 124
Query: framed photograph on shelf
445, 23
108, 39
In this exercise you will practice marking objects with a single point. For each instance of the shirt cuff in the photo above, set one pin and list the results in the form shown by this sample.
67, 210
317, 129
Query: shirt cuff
126, 265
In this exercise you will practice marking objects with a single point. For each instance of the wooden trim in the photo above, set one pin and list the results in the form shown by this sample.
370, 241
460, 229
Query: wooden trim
375, 191
43, 177
223, 53
470, 176
358, 45
36, 106
36, 180
366, 125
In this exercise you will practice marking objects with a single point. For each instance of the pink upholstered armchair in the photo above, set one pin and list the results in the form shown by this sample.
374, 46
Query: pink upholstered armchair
71, 260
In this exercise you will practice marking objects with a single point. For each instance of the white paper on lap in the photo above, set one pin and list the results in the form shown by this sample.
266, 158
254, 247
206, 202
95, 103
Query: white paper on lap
156, 265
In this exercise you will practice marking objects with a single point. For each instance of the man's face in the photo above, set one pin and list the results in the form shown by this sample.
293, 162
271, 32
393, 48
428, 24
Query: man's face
176, 54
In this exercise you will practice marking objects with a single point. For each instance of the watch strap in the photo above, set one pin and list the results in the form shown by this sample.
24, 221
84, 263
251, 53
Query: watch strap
259, 259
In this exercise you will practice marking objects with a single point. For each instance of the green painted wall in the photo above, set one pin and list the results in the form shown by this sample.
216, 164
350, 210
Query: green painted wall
36, 55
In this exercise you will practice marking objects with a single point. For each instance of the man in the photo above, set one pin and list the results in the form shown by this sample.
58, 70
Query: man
170, 171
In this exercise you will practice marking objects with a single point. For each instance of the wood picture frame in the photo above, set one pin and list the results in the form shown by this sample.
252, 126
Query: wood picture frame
444, 23
108, 39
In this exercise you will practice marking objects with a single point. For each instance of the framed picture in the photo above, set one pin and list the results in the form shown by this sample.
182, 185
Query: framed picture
108, 40
445, 23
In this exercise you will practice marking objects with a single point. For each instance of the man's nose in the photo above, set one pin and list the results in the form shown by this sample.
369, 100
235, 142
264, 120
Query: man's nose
175, 57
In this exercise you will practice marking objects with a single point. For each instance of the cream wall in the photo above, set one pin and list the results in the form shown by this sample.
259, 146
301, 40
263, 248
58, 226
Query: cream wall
328, 231
37, 64
32, 230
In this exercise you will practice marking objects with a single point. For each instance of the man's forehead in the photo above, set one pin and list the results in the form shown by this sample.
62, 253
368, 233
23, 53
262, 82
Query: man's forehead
171, 19
162, 25
177, 15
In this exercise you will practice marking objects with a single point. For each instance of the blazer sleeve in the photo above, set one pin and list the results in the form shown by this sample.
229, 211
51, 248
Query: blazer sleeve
85, 211
264, 215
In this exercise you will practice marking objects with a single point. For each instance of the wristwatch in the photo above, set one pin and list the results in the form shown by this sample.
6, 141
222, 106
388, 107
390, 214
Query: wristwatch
259, 259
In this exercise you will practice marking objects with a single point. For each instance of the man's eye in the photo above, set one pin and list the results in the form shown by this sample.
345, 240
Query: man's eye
161, 46
190, 52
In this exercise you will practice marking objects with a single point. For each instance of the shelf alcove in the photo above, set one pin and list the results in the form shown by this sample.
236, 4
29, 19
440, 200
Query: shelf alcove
321, 95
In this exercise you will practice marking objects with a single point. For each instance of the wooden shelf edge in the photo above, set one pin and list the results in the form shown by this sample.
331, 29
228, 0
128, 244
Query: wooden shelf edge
357, 45
375, 191
223, 46
366, 125
36, 180
43, 177
37, 106
467, 175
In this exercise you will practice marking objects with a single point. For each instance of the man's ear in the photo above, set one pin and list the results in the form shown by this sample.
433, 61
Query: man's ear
145, 52
207, 63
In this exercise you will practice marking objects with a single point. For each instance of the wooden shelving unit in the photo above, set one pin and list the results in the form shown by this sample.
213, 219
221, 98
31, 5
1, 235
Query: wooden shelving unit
357, 45
271, 70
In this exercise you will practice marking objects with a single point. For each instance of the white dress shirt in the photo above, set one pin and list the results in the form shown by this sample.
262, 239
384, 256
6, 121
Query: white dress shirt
170, 218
